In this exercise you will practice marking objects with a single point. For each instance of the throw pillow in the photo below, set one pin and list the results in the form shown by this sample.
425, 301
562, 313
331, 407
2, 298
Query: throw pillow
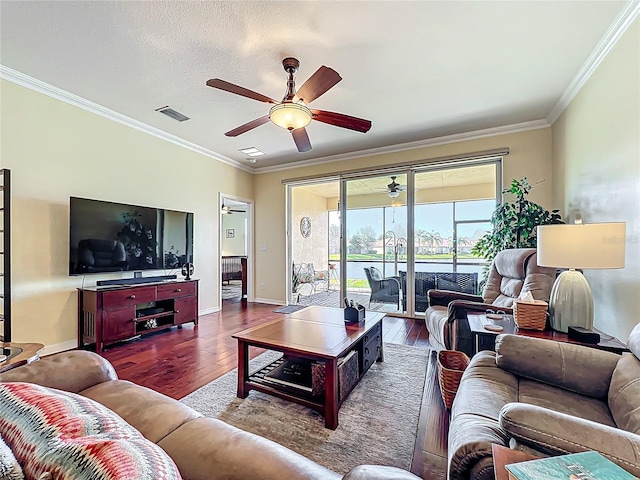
72, 437
443, 284
9, 466
375, 274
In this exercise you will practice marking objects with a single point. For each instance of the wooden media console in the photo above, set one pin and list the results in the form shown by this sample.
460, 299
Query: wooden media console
111, 314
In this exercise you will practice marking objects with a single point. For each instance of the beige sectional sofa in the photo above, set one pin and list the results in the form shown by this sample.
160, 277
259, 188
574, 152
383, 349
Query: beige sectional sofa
546, 398
202, 448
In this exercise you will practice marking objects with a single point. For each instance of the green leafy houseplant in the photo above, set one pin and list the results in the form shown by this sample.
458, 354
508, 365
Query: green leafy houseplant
514, 223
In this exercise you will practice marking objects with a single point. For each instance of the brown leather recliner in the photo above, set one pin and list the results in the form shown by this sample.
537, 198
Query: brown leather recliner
513, 271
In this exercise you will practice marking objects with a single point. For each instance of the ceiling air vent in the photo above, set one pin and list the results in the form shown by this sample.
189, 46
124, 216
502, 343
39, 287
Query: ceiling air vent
170, 112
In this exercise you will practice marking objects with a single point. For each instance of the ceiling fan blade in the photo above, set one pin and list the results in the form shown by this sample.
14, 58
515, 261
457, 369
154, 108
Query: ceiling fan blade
302, 139
238, 90
342, 120
247, 126
317, 84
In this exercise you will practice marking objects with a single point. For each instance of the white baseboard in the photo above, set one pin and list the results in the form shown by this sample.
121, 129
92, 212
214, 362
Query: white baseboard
59, 347
269, 301
207, 311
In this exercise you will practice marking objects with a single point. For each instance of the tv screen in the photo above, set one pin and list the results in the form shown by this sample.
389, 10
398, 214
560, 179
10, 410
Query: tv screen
112, 237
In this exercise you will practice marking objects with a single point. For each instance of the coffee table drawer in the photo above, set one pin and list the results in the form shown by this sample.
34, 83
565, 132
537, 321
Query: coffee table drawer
130, 296
370, 355
373, 334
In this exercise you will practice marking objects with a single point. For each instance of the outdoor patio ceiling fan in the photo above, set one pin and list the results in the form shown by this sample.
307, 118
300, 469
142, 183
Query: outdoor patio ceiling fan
394, 188
292, 112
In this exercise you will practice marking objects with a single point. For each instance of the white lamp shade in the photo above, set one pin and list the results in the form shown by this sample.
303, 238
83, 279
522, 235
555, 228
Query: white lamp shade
594, 245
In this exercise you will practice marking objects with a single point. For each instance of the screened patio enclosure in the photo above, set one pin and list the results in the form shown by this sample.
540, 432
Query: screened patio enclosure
383, 243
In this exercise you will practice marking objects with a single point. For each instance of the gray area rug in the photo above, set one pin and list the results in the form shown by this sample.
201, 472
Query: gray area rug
289, 309
378, 421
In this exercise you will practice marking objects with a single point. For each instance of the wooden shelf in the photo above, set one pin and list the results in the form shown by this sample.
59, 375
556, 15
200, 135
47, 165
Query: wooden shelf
156, 329
155, 315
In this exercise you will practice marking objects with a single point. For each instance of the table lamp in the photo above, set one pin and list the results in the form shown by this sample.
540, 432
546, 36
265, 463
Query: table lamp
583, 246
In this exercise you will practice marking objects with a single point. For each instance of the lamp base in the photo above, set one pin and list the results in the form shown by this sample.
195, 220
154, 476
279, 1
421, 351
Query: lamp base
571, 302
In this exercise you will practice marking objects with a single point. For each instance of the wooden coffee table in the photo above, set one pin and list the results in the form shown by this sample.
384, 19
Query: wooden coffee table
316, 333
19, 354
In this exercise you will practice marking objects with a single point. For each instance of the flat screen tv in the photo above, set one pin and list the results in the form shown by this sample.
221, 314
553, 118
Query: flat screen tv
111, 237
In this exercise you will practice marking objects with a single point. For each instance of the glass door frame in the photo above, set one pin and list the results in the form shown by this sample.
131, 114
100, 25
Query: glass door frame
410, 172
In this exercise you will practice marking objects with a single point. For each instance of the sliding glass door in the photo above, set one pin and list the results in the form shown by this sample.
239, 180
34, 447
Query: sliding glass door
384, 240
452, 210
314, 236
375, 222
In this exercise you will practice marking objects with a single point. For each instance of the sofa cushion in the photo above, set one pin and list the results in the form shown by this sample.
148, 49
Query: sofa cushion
435, 320
151, 413
375, 274
444, 284
564, 401
69, 436
624, 393
9, 467
633, 343
577, 368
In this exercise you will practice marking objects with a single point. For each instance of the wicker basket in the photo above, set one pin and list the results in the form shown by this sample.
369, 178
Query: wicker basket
530, 316
451, 365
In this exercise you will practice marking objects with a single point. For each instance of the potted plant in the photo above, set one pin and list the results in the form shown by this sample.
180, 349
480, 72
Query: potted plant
514, 223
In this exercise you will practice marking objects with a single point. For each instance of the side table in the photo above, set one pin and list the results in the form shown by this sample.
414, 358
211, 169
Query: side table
484, 339
504, 456
19, 354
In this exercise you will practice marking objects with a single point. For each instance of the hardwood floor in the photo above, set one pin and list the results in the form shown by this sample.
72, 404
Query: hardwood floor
182, 360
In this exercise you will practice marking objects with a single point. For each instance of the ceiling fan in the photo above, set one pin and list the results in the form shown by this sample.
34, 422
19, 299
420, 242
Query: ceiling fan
394, 188
226, 210
292, 112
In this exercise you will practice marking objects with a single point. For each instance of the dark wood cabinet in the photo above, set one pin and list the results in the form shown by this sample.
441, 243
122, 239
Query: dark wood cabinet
110, 314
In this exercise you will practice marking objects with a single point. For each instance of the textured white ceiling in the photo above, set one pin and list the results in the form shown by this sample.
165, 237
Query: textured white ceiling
416, 69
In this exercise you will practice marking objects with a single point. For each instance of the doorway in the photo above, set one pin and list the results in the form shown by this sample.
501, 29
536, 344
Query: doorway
235, 247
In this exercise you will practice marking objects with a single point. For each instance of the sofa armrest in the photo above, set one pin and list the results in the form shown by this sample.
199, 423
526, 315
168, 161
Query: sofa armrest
377, 472
206, 448
444, 297
460, 308
556, 433
72, 371
578, 368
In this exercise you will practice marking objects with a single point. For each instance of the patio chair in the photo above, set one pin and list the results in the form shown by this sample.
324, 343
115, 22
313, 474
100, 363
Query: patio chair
305, 274
383, 289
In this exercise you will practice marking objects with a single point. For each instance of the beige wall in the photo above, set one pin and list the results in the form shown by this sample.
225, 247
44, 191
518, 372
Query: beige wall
530, 156
596, 171
236, 245
313, 249
55, 151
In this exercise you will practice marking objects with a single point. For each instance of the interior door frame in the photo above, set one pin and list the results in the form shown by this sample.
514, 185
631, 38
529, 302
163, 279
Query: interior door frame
250, 245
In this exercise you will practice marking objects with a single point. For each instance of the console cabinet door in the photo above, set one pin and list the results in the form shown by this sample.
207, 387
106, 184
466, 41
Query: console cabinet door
118, 323
186, 309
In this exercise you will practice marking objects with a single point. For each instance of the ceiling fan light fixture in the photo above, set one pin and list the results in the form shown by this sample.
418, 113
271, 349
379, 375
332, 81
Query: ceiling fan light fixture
290, 115
393, 194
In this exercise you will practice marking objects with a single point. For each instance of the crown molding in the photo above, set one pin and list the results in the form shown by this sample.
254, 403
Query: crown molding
617, 29
56, 93
401, 147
